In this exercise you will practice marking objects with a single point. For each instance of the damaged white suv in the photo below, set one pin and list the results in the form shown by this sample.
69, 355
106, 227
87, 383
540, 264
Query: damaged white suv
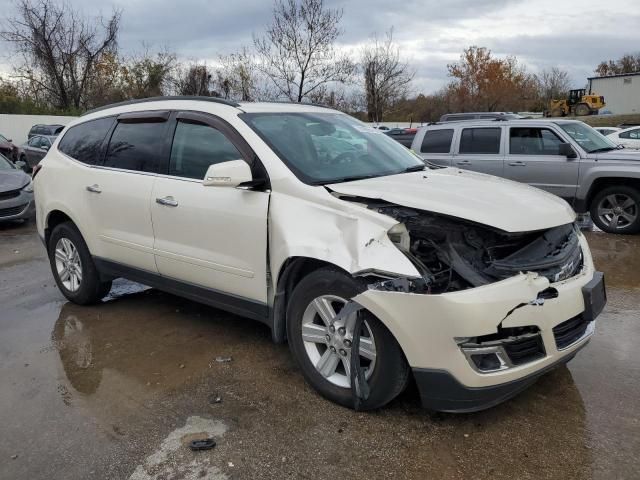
373, 266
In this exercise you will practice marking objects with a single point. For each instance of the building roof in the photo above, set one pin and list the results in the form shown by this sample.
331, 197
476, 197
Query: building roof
615, 76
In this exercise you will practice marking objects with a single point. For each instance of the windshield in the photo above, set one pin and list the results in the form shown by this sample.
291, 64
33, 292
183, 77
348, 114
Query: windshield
588, 138
325, 148
5, 164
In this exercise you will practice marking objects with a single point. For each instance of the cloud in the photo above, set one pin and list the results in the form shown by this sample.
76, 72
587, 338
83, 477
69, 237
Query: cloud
573, 35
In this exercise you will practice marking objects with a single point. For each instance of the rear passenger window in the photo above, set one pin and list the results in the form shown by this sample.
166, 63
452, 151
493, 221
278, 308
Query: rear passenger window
196, 147
480, 140
437, 141
136, 146
83, 142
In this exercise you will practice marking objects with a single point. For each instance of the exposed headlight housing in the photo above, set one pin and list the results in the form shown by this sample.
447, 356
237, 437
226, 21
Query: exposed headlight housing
28, 187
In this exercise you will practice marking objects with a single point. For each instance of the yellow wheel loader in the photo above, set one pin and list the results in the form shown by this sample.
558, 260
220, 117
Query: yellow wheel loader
579, 104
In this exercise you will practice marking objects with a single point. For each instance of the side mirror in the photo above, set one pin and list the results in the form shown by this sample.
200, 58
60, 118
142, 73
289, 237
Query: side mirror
566, 150
227, 174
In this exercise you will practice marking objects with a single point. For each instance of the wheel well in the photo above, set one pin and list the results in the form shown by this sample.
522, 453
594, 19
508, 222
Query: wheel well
292, 271
601, 183
55, 218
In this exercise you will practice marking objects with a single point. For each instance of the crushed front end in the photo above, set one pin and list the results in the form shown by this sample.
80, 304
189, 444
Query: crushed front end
490, 311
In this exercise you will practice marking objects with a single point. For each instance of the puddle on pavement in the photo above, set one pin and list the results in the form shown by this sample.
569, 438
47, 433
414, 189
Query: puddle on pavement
120, 381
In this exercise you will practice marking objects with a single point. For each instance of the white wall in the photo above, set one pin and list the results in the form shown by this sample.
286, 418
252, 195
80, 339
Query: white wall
621, 94
16, 127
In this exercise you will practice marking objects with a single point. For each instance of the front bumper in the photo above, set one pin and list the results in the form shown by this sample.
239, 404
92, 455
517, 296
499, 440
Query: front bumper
427, 326
19, 207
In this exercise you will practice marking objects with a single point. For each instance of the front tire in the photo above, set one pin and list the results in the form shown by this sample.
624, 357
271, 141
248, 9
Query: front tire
321, 345
617, 210
73, 268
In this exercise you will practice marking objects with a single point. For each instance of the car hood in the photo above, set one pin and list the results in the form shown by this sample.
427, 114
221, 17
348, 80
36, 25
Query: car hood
13, 180
480, 198
622, 154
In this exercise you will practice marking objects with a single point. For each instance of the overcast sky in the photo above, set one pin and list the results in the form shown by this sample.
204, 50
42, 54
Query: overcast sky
573, 35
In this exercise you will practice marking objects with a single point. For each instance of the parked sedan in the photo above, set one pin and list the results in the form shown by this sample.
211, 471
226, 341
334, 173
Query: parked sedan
8, 149
606, 130
16, 192
404, 136
628, 138
35, 149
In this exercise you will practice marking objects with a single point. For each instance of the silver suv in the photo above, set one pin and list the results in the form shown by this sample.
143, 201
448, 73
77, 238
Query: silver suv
565, 157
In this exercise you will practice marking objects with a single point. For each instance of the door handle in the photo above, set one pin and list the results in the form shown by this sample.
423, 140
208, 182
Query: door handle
463, 162
517, 164
167, 201
95, 188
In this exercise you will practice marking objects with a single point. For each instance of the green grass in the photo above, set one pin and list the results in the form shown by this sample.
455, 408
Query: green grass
609, 120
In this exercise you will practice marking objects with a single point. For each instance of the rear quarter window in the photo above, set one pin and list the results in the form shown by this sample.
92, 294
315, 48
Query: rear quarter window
84, 142
437, 141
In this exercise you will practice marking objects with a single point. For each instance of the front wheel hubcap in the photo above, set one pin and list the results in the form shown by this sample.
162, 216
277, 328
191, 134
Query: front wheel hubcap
328, 341
617, 211
68, 264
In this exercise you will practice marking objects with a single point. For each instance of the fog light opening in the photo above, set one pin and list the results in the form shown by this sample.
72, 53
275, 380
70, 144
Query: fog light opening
487, 362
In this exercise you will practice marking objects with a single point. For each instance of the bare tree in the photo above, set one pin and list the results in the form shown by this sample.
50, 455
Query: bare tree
386, 77
59, 48
195, 80
238, 76
626, 64
297, 52
553, 84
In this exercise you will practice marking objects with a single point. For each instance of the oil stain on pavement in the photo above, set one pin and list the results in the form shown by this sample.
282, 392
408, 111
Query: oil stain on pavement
118, 390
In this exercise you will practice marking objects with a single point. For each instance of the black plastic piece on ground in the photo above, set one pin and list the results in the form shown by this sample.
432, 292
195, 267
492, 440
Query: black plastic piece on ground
205, 444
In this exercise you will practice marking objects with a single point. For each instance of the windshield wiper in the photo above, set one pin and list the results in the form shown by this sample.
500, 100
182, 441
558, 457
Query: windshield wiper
602, 149
415, 168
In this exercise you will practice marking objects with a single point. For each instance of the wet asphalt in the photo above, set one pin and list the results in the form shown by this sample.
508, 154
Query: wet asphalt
117, 390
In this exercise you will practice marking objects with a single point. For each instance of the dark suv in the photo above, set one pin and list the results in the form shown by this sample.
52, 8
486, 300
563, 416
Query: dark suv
48, 130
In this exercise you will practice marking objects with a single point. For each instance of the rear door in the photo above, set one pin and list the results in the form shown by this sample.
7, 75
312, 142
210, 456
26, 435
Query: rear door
31, 150
119, 192
210, 236
480, 149
436, 146
533, 158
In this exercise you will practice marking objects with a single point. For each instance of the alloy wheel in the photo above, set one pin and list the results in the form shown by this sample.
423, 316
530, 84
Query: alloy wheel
68, 264
327, 341
618, 211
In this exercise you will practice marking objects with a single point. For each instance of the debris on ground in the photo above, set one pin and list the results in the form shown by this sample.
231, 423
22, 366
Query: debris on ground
215, 398
223, 359
181, 365
13, 457
203, 444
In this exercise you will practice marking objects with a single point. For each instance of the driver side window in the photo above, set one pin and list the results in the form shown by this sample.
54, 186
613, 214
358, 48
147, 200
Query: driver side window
196, 147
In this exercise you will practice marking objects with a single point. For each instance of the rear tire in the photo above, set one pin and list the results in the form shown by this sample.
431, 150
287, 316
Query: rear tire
617, 210
557, 112
72, 266
390, 371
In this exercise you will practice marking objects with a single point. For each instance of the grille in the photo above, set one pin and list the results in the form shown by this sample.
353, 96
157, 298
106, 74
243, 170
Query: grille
525, 349
9, 194
570, 331
9, 212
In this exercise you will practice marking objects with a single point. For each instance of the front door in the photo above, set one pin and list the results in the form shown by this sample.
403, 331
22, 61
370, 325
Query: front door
533, 158
209, 236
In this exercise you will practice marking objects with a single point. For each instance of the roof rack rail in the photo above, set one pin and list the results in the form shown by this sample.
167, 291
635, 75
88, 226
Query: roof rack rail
159, 99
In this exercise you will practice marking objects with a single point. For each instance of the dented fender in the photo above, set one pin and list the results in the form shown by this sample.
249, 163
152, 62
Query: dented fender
346, 235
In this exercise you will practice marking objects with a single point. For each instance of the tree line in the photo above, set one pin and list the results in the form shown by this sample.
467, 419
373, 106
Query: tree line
64, 62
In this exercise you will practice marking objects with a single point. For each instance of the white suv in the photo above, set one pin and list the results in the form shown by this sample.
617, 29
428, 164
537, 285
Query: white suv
373, 265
